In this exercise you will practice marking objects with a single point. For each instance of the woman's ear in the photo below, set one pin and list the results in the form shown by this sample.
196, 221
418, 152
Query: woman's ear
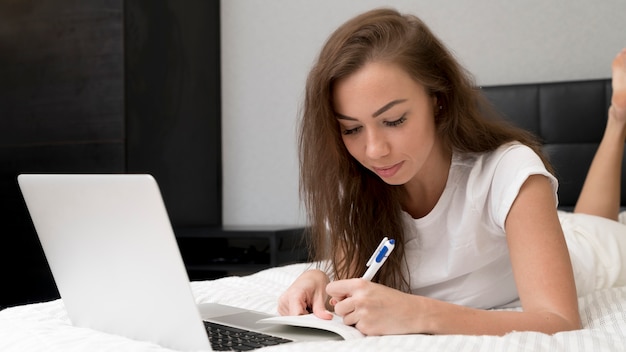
437, 107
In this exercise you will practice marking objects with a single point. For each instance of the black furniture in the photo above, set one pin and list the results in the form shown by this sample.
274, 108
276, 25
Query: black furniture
105, 86
212, 252
569, 117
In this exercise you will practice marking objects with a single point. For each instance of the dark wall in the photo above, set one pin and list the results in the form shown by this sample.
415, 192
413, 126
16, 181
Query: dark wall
173, 104
105, 86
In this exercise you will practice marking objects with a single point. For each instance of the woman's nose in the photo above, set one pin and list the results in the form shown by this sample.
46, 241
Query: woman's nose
377, 145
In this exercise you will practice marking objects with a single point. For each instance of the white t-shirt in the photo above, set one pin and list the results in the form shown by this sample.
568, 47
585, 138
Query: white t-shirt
458, 252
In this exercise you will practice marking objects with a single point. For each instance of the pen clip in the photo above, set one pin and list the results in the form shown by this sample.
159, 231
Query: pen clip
380, 246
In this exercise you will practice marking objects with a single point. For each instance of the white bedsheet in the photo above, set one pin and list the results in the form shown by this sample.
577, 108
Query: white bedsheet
46, 326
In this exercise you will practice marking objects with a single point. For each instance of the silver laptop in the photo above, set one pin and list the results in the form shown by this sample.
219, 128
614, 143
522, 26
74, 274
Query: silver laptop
115, 260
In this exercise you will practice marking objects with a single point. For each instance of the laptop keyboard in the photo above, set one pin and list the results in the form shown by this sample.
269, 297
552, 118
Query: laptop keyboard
228, 338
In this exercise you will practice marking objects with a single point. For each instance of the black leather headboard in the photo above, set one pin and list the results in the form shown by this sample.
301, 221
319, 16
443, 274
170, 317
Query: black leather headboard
569, 118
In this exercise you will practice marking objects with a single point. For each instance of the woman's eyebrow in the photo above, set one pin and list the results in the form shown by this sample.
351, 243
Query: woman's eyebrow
344, 117
387, 107
376, 113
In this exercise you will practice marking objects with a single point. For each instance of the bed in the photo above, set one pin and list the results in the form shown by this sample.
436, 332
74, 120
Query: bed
568, 116
46, 326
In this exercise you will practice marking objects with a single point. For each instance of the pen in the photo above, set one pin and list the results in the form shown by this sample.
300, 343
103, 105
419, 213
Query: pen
378, 258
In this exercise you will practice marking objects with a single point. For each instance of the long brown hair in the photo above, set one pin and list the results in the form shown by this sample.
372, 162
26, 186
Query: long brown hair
349, 208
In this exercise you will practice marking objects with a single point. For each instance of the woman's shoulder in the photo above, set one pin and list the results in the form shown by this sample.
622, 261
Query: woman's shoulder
500, 172
514, 151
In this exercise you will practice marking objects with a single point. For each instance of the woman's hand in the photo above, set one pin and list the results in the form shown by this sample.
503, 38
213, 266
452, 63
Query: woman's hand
307, 294
375, 309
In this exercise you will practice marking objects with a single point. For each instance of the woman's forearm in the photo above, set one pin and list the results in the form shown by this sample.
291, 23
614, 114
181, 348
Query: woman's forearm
446, 318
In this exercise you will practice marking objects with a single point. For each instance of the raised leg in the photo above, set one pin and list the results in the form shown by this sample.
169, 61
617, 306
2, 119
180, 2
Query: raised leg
601, 191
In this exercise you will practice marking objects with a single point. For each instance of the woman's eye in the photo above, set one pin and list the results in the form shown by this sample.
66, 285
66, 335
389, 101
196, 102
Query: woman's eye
347, 131
397, 122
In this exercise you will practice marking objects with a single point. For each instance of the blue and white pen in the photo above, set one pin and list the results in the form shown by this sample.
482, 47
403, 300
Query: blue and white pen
378, 258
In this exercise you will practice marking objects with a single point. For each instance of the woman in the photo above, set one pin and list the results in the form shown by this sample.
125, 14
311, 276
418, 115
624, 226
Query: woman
396, 141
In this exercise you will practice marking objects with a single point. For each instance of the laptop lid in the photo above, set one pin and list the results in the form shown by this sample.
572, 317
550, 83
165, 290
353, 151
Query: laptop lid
114, 256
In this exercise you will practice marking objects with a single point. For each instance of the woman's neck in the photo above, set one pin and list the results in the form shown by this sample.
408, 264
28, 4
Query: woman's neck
425, 189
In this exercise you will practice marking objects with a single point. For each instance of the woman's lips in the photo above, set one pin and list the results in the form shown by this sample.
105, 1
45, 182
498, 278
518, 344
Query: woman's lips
388, 171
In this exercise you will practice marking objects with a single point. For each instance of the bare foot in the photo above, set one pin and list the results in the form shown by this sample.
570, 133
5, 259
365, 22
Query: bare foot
618, 100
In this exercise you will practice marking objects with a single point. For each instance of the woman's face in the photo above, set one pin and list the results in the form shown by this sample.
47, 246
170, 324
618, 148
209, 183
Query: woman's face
386, 120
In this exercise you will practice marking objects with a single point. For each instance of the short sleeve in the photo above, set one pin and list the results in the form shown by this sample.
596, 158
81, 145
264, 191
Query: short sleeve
513, 165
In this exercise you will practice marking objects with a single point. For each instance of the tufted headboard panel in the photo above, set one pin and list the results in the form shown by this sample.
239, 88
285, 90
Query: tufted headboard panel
569, 118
